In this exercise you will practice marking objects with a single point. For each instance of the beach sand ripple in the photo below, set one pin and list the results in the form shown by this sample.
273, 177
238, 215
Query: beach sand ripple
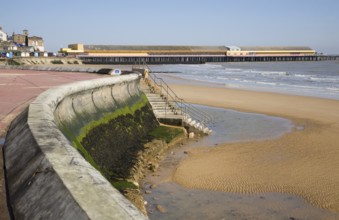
303, 162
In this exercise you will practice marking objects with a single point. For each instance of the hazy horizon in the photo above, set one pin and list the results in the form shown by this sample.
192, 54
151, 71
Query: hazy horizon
149, 22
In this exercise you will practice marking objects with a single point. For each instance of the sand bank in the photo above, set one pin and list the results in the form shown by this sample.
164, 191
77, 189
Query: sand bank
304, 162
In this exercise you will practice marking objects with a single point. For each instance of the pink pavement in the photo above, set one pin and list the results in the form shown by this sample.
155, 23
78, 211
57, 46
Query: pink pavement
17, 89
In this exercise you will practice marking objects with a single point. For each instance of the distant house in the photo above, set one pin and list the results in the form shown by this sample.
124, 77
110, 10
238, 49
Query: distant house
3, 35
22, 40
37, 43
19, 39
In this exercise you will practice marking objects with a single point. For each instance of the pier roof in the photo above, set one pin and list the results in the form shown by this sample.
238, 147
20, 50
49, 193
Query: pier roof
153, 48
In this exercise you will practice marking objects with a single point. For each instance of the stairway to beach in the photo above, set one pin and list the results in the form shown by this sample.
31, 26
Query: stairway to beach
169, 108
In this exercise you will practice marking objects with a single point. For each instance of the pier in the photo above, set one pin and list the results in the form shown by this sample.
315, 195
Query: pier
199, 59
281, 58
161, 54
153, 59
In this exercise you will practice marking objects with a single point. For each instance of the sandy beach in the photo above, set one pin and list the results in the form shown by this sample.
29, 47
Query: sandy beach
304, 162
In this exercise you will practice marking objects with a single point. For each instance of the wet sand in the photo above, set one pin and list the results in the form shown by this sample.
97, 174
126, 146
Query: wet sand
304, 162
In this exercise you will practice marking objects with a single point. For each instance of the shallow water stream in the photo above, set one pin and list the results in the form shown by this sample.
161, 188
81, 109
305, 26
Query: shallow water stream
168, 200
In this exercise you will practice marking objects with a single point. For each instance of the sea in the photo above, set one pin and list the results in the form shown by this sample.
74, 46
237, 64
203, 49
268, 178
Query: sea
317, 79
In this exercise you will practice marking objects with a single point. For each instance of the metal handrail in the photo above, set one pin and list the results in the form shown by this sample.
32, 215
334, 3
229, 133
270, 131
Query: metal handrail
186, 109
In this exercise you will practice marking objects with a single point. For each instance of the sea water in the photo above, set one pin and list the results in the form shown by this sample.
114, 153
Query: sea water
318, 79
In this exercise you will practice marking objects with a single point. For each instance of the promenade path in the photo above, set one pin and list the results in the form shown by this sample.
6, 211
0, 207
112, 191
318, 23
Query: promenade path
17, 89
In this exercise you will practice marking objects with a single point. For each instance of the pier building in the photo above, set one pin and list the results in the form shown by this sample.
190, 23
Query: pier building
128, 54
270, 51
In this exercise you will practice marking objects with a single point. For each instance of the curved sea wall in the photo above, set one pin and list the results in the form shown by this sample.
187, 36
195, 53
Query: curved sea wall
47, 177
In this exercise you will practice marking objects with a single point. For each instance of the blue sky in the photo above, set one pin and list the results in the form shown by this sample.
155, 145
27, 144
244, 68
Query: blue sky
313, 23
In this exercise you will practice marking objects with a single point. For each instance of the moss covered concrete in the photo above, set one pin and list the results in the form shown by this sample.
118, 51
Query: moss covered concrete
112, 143
48, 178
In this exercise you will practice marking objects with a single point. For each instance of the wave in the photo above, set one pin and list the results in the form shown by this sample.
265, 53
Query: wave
317, 79
213, 65
233, 69
288, 80
267, 83
301, 75
332, 89
274, 73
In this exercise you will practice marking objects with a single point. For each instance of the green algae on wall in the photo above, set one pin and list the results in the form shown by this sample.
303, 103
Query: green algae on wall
107, 117
111, 143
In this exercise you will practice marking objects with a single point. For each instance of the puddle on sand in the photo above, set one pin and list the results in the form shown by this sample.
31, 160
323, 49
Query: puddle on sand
2, 141
183, 203
234, 126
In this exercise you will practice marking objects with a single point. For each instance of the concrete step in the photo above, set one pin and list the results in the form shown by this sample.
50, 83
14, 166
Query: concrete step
165, 107
156, 99
152, 94
154, 107
168, 116
169, 110
158, 102
164, 111
155, 103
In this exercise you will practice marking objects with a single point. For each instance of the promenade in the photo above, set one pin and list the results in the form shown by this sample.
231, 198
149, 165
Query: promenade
17, 89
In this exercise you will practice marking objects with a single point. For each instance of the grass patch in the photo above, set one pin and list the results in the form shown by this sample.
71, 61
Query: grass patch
122, 185
57, 62
166, 133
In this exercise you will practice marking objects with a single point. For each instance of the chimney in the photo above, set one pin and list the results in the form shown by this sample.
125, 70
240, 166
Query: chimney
26, 37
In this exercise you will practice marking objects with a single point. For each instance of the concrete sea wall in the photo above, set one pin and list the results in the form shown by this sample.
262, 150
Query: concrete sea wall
47, 177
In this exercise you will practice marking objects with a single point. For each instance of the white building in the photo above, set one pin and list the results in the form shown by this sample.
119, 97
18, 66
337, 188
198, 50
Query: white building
37, 43
3, 35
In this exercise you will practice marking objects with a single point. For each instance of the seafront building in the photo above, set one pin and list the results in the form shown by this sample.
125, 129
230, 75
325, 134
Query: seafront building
125, 54
3, 35
21, 45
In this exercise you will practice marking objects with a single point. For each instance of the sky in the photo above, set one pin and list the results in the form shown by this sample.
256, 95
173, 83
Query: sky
313, 23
